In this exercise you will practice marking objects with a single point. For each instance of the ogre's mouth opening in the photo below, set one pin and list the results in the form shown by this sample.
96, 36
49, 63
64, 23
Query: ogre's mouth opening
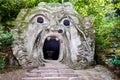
51, 48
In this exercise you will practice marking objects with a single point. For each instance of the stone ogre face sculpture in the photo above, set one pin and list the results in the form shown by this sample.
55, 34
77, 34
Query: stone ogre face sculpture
56, 32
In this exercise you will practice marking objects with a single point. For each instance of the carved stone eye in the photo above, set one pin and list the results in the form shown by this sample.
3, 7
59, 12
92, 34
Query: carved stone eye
66, 22
40, 20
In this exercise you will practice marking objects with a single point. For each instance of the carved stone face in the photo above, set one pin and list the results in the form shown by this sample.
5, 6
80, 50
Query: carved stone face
53, 32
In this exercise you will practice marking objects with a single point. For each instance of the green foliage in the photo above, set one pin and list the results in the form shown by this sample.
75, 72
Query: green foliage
5, 38
114, 59
104, 19
97, 8
104, 34
114, 34
2, 63
93, 63
10, 8
117, 4
116, 29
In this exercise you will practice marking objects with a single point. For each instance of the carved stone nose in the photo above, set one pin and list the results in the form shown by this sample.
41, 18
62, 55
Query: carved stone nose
60, 31
53, 30
57, 30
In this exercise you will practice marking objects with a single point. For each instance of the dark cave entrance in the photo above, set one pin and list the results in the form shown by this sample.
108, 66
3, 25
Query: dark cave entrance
51, 48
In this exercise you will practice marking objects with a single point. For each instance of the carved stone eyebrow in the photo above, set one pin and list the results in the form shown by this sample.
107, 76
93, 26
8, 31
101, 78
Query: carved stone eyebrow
39, 15
67, 17
63, 18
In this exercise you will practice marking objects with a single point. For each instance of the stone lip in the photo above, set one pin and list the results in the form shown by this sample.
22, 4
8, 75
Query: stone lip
76, 39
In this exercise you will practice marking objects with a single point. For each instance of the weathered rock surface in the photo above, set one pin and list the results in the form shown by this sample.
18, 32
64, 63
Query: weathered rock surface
53, 31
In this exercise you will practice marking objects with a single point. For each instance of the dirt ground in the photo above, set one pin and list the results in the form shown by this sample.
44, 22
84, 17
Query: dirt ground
13, 75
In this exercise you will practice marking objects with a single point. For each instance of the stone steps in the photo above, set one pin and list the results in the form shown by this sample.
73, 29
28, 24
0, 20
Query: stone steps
52, 75
58, 71
45, 78
54, 78
55, 70
52, 71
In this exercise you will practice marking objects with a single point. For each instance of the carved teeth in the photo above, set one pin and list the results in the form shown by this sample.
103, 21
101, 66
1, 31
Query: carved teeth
56, 39
48, 38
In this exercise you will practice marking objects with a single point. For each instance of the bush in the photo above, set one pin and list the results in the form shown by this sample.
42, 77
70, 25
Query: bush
113, 59
2, 63
5, 38
115, 32
98, 9
9, 9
